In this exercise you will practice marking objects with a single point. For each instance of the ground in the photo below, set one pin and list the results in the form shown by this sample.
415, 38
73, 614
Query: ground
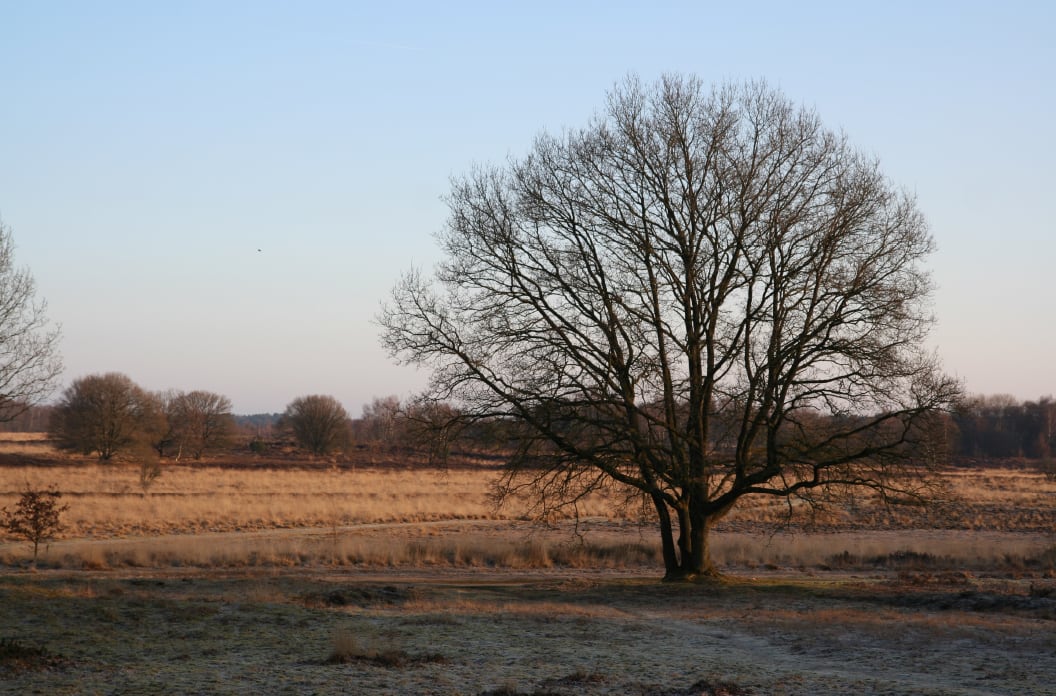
449, 630
394, 580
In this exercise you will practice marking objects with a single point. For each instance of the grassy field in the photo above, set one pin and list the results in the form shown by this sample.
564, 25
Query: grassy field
374, 577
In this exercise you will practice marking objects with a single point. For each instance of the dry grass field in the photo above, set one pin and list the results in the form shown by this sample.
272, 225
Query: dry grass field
378, 578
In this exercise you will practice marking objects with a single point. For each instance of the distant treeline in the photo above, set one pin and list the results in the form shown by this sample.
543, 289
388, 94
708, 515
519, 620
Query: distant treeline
1000, 427
36, 419
33, 420
259, 424
980, 427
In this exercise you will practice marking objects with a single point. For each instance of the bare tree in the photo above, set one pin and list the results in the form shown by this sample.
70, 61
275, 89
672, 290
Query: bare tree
433, 426
703, 295
36, 516
29, 357
319, 423
381, 419
107, 414
198, 420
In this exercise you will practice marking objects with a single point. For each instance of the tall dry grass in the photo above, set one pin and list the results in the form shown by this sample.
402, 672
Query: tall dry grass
107, 500
518, 546
324, 511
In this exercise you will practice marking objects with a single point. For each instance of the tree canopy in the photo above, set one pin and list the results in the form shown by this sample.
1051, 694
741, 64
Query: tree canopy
106, 414
197, 421
319, 423
703, 294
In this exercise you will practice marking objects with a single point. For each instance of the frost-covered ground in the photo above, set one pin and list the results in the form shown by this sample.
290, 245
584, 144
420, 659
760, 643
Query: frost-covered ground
477, 631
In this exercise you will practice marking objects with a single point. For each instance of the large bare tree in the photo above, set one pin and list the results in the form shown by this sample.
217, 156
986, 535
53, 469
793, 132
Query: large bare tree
107, 414
703, 295
29, 357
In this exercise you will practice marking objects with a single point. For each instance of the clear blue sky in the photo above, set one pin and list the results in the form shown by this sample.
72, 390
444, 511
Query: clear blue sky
148, 150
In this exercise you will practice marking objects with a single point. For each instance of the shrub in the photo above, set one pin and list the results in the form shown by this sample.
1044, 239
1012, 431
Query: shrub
35, 517
149, 472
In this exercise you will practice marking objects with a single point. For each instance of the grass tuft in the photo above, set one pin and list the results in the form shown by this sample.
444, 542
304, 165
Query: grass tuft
17, 656
347, 649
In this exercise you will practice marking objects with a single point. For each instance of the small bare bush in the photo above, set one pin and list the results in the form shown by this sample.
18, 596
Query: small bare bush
149, 472
36, 516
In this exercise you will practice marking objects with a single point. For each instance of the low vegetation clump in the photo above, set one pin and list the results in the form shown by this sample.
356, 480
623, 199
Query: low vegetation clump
360, 596
348, 648
19, 656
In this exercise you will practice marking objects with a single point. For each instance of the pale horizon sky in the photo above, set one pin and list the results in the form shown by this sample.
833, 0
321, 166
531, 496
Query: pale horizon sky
149, 150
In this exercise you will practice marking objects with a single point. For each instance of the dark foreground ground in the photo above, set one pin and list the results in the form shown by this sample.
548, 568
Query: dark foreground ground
461, 631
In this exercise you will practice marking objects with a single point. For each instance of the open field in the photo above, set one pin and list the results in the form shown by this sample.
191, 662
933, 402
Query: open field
334, 578
313, 631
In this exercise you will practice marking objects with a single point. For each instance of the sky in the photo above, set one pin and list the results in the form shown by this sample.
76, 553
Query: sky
219, 195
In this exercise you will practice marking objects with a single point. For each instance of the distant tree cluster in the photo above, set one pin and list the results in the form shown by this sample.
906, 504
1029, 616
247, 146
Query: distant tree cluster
104, 415
34, 419
995, 426
196, 421
422, 425
110, 415
258, 425
1000, 427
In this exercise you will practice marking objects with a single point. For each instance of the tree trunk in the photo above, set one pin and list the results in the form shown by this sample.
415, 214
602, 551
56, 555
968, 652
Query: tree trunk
683, 538
694, 550
667, 539
700, 561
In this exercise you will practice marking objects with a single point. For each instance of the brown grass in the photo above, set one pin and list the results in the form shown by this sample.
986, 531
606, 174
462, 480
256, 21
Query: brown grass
108, 500
211, 515
7, 439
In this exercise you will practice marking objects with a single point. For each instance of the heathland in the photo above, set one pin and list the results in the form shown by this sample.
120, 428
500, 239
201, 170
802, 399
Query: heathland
378, 573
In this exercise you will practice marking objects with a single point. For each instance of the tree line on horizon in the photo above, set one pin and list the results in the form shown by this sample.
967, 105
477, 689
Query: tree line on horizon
109, 414
112, 417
